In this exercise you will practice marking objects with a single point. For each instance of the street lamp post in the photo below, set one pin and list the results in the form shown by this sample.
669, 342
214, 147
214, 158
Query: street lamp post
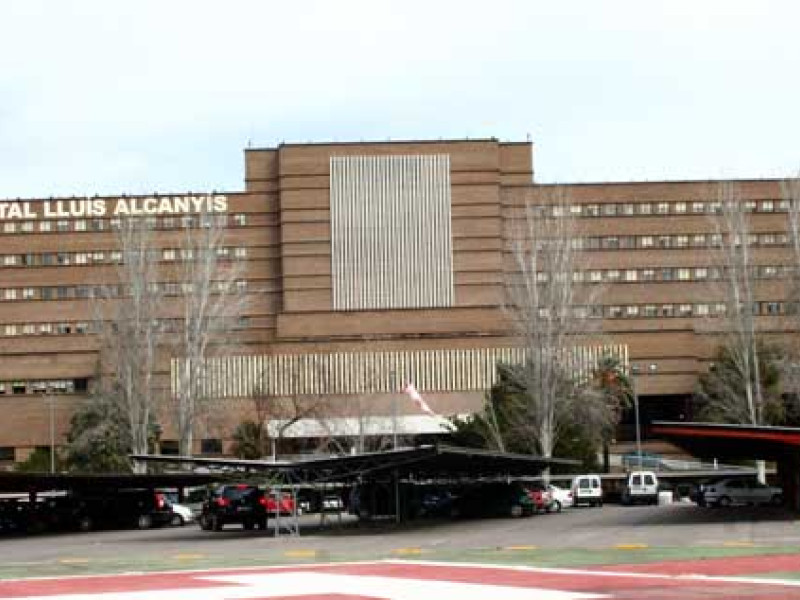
51, 409
635, 370
634, 373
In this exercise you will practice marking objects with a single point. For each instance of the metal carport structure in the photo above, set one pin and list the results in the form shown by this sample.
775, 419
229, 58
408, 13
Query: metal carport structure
725, 441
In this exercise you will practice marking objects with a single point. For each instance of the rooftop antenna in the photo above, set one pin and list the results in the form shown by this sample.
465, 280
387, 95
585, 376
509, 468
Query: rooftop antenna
528, 136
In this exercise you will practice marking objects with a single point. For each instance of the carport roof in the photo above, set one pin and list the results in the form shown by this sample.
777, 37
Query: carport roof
39, 482
721, 440
432, 461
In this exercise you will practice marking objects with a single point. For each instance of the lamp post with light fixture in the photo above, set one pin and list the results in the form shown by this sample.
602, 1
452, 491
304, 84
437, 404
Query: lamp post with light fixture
636, 370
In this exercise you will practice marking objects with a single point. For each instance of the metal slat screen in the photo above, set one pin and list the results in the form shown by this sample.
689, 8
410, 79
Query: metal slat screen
391, 243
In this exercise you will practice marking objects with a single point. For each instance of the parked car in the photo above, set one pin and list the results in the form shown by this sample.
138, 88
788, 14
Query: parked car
241, 504
640, 487
332, 503
562, 498
86, 510
181, 513
542, 497
587, 489
494, 500
437, 502
280, 503
725, 492
630, 460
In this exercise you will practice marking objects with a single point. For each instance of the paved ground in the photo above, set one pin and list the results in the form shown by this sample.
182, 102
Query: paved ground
668, 542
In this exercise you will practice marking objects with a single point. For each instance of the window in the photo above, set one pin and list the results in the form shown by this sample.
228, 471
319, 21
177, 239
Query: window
681, 241
648, 274
98, 224
575, 210
698, 207
11, 330
45, 226
662, 208
685, 310
612, 275
80, 225
646, 241
211, 446
701, 310
645, 208
699, 240
9, 260
62, 225
29, 329
45, 328
631, 275
27, 227
750, 206
632, 312
7, 453
767, 206
63, 258
28, 293
772, 308
700, 273
628, 209
590, 210
615, 312
684, 274
10, 294
81, 258
666, 274
168, 254
611, 243
241, 285
680, 207
609, 210
240, 252
650, 310
664, 241
9, 227
595, 276
667, 310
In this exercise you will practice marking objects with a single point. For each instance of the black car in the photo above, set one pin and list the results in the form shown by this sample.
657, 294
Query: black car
240, 504
86, 510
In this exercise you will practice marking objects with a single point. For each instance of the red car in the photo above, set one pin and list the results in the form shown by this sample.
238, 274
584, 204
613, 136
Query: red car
542, 497
279, 504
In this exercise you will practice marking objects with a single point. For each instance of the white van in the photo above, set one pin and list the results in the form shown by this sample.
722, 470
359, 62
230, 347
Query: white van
641, 486
587, 489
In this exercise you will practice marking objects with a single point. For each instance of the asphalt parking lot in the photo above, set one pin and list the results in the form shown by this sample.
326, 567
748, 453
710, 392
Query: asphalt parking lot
612, 533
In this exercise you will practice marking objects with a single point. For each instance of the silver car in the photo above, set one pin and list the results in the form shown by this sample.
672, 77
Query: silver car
739, 491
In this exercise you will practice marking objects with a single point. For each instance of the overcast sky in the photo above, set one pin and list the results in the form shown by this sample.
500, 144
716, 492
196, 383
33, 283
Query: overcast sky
115, 97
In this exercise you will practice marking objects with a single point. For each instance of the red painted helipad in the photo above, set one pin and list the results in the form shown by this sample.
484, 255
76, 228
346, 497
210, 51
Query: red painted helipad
410, 580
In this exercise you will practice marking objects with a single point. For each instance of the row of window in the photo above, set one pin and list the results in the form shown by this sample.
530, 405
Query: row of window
670, 274
643, 209
112, 224
694, 240
207, 446
70, 292
669, 309
45, 386
94, 257
84, 327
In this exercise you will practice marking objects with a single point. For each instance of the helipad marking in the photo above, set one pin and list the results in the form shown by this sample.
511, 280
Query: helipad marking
406, 551
514, 548
74, 561
631, 546
739, 544
188, 556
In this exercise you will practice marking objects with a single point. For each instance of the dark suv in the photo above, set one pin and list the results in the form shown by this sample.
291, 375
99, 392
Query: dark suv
242, 503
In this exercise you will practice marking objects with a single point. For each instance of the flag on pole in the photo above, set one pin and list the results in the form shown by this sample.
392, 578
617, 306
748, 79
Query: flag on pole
415, 396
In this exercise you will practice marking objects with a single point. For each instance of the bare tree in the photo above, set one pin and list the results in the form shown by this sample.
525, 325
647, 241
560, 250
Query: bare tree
790, 189
126, 317
734, 260
213, 298
548, 305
